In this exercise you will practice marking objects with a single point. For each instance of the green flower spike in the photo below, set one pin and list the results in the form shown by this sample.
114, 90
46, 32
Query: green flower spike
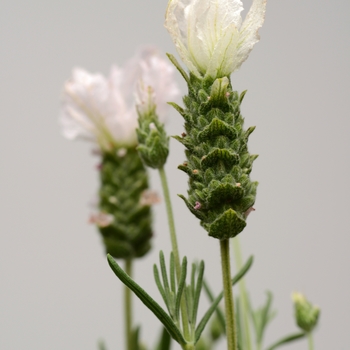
218, 163
125, 201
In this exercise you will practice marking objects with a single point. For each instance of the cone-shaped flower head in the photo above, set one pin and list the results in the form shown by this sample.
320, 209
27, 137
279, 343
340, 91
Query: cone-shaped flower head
306, 314
103, 109
209, 34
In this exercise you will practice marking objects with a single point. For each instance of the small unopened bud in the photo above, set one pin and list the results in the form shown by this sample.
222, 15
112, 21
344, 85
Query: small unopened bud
238, 184
306, 314
96, 151
184, 163
121, 152
101, 219
183, 134
153, 145
197, 206
195, 171
149, 197
227, 94
113, 200
248, 211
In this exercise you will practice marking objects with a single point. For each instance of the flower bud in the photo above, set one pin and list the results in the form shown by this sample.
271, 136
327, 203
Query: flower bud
306, 314
153, 145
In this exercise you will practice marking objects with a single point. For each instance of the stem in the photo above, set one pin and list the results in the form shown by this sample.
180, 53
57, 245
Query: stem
243, 293
175, 249
310, 341
128, 307
231, 332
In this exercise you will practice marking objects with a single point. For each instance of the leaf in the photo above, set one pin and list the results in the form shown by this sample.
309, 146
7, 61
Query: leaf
181, 287
157, 310
212, 308
164, 341
179, 68
219, 313
286, 340
159, 284
264, 318
135, 339
197, 291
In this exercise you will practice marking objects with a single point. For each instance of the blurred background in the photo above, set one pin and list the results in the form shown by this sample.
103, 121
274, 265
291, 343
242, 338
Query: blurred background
57, 291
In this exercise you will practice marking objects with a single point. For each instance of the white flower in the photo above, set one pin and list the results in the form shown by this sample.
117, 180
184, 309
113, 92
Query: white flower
103, 109
156, 85
209, 34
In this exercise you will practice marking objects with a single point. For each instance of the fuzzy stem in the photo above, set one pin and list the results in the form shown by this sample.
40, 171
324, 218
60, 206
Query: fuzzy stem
175, 249
231, 332
243, 292
128, 307
310, 341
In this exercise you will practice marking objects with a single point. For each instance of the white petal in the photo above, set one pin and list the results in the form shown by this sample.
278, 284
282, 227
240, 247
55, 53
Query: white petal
156, 85
176, 24
249, 31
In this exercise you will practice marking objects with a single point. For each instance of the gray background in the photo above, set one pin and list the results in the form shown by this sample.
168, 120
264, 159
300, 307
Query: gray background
57, 291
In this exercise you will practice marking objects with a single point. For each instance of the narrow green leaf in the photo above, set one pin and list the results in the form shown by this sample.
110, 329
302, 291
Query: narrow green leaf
157, 310
240, 328
286, 340
212, 308
164, 274
189, 302
264, 319
193, 283
164, 341
159, 284
219, 313
197, 292
172, 273
178, 67
181, 287
135, 345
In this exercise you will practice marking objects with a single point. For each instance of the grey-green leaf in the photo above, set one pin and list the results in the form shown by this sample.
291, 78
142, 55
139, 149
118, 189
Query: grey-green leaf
157, 310
286, 340
164, 341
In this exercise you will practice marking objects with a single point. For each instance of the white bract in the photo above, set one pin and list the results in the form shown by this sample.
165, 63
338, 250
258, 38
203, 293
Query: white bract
209, 34
103, 109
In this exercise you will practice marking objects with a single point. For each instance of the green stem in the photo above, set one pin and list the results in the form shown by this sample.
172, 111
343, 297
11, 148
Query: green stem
243, 293
184, 316
128, 307
231, 332
310, 341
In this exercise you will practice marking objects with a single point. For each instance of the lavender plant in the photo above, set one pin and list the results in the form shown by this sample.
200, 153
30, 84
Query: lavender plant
213, 41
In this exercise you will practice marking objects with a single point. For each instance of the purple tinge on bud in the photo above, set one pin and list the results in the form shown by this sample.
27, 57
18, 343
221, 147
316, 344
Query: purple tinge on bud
249, 211
101, 219
197, 206
149, 197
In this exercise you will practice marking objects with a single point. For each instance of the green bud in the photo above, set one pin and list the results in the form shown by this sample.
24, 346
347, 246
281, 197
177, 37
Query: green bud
216, 330
202, 345
153, 141
221, 194
125, 219
306, 314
